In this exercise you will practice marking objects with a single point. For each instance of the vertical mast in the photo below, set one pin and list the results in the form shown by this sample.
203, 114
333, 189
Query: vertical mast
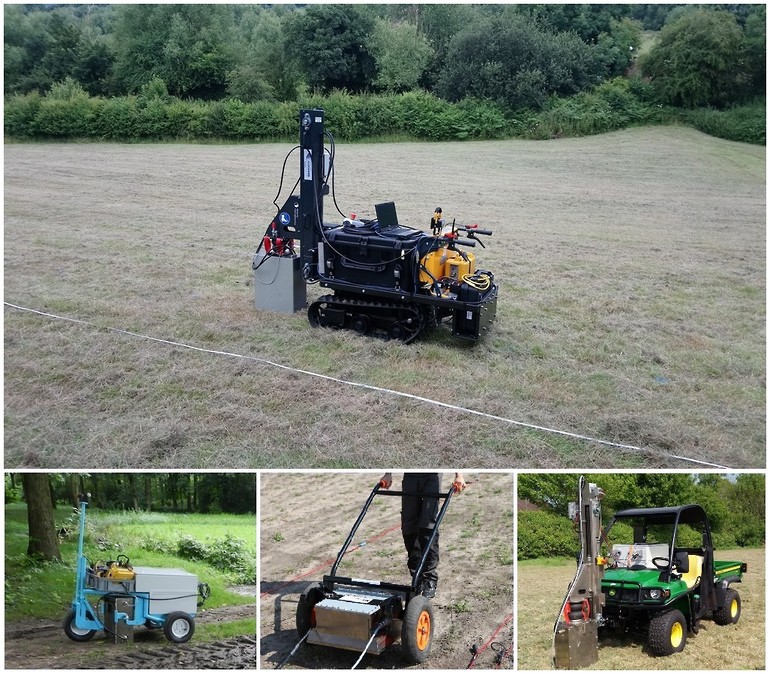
312, 189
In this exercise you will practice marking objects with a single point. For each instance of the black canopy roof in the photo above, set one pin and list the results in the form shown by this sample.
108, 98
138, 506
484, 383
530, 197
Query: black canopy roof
687, 514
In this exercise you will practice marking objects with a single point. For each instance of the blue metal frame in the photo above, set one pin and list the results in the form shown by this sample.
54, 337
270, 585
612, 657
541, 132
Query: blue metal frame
86, 616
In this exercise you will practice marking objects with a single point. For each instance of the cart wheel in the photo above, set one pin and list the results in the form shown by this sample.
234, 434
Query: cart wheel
73, 631
306, 609
178, 627
417, 630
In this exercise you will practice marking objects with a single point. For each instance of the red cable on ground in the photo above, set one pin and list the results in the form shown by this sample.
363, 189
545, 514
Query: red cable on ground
328, 562
508, 619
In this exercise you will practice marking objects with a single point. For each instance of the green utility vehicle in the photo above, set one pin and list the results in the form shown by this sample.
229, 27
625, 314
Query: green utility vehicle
665, 580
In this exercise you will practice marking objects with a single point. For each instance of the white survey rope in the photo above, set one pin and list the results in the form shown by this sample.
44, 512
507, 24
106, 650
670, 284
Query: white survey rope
370, 387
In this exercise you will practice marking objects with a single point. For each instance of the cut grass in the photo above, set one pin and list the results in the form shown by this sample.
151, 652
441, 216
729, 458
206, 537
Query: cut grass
632, 309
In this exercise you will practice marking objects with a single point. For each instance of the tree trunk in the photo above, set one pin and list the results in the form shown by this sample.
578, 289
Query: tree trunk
73, 480
134, 495
43, 542
148, 492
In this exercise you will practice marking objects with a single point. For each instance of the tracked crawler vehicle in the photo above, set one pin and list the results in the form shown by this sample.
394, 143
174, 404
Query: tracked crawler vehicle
384, 278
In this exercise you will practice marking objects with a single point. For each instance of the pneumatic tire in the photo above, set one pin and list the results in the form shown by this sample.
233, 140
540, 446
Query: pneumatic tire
74, 632
417, 630
667, 633
730, 611
178, 627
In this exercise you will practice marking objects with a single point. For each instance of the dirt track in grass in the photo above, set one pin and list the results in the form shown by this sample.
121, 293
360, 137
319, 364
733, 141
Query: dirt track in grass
305, 519
632, 308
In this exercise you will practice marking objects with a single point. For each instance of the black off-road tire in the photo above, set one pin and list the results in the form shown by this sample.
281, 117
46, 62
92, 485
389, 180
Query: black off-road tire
667, 633
730, 611
178, 627
417, 630
73, 632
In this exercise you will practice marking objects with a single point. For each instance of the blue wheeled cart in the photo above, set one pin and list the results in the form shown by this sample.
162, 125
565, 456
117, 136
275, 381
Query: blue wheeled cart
115, 597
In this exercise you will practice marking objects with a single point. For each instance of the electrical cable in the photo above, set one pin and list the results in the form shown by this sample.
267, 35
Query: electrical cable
479, 651
368, 643
283, 173
480, 281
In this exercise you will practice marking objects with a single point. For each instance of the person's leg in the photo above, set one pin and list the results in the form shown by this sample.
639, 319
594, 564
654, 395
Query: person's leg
429, 512
411, 509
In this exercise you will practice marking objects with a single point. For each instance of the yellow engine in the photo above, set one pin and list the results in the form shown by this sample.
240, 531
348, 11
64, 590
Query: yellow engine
446, 263
114, 571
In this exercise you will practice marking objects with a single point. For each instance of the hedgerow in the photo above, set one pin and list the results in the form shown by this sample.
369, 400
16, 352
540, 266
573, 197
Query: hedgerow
68, 112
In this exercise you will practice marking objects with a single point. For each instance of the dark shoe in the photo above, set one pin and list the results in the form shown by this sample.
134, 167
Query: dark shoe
428, 589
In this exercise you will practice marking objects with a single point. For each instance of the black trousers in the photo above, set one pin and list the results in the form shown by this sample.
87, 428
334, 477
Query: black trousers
418, 517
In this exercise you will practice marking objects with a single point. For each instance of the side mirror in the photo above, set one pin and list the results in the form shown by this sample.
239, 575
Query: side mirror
682, 561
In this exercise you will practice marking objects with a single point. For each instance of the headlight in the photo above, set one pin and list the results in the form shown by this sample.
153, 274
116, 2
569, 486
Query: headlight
656, 594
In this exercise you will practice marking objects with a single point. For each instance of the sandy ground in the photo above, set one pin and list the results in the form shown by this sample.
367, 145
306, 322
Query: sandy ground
305, 519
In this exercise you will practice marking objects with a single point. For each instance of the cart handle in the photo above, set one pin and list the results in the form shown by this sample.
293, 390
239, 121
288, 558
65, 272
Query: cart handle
386, 492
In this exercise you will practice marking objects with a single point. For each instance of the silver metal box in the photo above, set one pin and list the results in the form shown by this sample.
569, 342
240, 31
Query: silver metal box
347, 625
279, 286
169, 589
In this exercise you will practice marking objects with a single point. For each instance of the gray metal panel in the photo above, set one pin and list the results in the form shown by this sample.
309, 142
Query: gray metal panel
279, 286
348, 643
575, 645
169, 589
336, 618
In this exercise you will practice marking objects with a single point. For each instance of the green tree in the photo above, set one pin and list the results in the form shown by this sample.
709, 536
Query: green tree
184, 45
755, 44
439, 23
617, 48
263, 69
509, 59
401, 53
330, 45
44, 45
697, 60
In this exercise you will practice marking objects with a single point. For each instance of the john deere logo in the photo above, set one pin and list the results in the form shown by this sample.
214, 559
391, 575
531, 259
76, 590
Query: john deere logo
613, 592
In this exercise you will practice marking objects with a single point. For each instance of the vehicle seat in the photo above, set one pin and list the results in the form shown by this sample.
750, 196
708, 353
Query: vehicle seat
692, 577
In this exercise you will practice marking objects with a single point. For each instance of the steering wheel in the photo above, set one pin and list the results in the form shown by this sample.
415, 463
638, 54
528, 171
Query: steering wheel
660, 563
123, 561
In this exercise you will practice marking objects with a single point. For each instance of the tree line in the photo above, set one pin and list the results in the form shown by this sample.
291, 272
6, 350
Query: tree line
735, 506
516, 56
169, 492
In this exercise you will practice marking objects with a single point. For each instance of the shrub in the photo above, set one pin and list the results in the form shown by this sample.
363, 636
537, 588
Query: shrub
545, 534
746, 123
189, 548
117, 119
20, 113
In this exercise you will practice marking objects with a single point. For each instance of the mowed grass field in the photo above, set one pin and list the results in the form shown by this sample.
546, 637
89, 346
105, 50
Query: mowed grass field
631, 269
541, 585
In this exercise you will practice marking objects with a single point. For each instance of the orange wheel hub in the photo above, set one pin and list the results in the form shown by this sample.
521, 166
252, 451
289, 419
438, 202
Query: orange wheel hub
423, 630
